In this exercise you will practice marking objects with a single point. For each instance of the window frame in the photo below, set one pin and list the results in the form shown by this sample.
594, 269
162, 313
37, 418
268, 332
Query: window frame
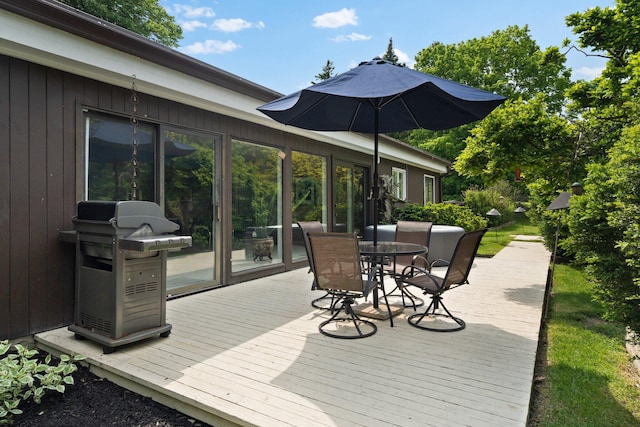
431, 191
399, 190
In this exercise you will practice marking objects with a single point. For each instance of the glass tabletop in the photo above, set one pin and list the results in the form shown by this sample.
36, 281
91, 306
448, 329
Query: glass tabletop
390, 248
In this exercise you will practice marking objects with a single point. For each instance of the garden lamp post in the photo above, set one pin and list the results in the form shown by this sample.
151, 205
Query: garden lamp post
520, 210
493, 213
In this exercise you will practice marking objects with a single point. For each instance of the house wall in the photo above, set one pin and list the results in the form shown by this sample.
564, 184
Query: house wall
41, 164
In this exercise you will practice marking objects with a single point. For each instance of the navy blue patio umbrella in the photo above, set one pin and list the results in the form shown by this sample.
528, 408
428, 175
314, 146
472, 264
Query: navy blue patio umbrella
380, 97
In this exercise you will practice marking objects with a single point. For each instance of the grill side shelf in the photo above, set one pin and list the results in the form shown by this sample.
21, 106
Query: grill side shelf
154, 243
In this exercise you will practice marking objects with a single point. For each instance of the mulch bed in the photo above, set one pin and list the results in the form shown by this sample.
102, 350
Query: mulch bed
93, 401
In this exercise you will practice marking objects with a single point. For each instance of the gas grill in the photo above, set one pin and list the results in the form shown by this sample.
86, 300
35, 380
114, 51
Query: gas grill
121, 271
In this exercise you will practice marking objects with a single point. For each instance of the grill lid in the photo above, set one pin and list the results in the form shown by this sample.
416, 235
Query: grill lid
128, 214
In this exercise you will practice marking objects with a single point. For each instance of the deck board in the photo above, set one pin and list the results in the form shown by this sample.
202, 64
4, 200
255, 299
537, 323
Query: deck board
251, 354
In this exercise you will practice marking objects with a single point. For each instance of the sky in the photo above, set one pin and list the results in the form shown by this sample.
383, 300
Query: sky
284, 44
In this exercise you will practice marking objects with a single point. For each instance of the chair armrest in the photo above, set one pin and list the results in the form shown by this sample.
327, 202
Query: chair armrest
420, 259
413, 270
433, 263
419, 279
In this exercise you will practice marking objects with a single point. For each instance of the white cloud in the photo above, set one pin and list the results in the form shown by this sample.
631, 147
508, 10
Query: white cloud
191, 12
336, 19
192, 25
403, 57
231, 25
587, 73
353, 37
210, 46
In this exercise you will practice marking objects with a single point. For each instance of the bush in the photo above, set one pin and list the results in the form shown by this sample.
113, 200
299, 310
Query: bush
23, 377
442, 213
498, 196
605, 231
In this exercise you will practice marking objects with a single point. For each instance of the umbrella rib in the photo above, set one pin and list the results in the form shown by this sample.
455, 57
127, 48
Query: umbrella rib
353, 116
413, 117
303, 112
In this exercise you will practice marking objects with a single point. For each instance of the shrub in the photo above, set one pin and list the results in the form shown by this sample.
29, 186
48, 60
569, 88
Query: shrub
605, 231
482, 201
23, 377
442, 213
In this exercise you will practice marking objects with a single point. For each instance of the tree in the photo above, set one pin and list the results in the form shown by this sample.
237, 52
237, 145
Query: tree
508, 62
327, 72
603, 224
144, 17
390, 54
522, 135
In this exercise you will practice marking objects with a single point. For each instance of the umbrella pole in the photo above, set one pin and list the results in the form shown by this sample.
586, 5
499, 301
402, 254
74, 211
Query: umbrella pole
376, 189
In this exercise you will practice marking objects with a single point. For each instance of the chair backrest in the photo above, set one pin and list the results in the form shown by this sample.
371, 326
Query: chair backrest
309, 227
412, 232
462, 258
336, 260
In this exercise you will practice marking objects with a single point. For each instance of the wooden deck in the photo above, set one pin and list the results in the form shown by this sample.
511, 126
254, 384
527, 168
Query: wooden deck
251, 354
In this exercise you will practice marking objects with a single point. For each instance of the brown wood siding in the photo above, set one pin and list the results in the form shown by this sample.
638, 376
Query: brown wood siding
18, 198
5, 191
41, 141
41, 161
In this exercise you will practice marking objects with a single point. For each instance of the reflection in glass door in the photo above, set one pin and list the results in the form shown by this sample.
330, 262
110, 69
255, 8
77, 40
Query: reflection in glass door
350, 204
308, 196
191, 200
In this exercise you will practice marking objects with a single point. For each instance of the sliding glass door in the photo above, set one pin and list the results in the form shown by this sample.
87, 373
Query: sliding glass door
350, 198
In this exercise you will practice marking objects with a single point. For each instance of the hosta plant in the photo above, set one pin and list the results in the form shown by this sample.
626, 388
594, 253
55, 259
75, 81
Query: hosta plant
24, 375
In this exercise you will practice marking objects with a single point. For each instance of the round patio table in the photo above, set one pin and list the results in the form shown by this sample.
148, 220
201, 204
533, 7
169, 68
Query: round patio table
379, 254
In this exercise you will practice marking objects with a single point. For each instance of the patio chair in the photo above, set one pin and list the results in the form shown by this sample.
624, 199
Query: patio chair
338, 271
409, 232
456, 275
314, 227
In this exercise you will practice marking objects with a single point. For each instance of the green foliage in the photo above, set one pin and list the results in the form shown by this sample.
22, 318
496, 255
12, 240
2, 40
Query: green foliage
508, 62
611, 30
327, 72
482, 201
605, 231
23, 377
390, 54
441, 213
521, 134
603, 223
542, 193
145, 17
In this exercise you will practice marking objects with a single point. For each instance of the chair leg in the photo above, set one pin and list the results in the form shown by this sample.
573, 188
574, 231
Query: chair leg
350, 316
408, 299
436, 302
327, 296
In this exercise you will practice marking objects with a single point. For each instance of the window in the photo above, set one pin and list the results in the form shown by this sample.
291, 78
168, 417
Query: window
399, 183
109, 159
308, 194
256, 198
429, 185
190, 196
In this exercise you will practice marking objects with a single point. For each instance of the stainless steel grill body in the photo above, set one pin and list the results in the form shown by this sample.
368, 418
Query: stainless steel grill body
121, 271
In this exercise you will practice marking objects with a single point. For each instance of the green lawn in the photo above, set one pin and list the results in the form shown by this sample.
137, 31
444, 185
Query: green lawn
589, 379
494, 240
